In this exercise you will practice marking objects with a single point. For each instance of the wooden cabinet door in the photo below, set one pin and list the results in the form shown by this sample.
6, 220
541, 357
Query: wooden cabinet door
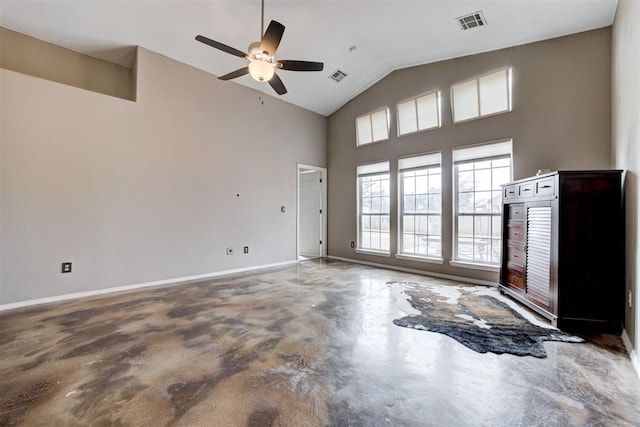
538, 251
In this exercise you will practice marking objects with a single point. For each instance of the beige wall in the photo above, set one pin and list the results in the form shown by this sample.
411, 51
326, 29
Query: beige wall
561, 119
28, 55
133, 192
626, 142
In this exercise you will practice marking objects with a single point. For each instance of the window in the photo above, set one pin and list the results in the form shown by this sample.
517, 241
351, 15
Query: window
372, 127
419, 113
482, 96
420, 206
373, 207
478, 173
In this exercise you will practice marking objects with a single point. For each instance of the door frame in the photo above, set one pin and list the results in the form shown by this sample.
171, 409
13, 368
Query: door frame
323, 216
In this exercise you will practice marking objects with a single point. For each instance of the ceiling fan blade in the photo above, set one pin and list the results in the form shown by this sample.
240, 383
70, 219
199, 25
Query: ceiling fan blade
277, 85
237, 73
292, 65
222, 47
271, 38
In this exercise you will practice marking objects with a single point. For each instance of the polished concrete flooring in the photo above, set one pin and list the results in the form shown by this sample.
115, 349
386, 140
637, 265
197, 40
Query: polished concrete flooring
311, 344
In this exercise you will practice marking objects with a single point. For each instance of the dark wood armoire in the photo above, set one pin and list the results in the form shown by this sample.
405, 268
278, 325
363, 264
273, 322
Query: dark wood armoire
563, 247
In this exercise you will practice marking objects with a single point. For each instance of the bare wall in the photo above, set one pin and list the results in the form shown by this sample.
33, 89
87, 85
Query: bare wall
626, 143
561, 119
133, 192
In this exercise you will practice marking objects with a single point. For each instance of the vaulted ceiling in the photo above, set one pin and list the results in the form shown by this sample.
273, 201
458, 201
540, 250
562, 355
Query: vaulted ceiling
365, 39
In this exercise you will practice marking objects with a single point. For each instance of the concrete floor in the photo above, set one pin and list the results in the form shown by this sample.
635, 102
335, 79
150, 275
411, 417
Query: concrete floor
311, 344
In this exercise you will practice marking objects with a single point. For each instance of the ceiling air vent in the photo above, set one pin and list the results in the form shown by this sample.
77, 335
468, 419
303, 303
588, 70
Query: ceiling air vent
338, 75
475, 19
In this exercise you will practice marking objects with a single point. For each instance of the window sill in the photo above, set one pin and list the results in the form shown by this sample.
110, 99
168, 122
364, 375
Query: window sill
420, 259
475, 266
372, 252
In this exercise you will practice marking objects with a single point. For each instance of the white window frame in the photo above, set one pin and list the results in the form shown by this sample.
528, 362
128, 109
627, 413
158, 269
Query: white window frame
477, 79
415, 111
473, 154
370, 116
365, 171
414, 164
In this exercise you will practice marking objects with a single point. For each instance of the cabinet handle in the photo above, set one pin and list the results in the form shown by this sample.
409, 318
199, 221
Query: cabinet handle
516, 233
526, 189
546, 186
515, 256
515, 279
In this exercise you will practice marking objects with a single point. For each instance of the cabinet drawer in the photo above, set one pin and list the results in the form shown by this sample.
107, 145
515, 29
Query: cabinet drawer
544, 187
515, 278
509, 192
517, 212
516, 233
515, 254
525, 189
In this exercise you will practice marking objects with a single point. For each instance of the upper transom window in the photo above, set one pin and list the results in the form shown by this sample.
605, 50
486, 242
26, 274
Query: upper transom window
419, 113
482, 96
372, 127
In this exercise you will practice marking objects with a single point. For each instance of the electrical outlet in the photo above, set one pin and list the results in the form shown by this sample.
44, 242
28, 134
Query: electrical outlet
246, 249
230, 251
630, 299
353, 244
66, 267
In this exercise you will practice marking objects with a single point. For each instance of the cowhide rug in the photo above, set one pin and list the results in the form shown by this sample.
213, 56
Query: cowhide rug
475, 316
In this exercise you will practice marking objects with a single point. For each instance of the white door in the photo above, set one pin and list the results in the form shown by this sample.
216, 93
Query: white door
309, 213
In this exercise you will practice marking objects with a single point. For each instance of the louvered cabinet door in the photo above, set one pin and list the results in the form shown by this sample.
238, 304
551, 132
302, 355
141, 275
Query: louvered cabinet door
538, 273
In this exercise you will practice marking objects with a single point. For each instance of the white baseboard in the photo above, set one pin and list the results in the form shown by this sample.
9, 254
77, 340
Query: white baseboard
415, 271
186, 279
633, 355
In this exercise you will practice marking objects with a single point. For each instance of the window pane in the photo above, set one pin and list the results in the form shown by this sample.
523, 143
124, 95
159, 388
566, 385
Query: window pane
496, 227
409, 184
500, 176
465, 202
408, 223
482, 226
408, 245
428, 116
465, 226
496, 202
366, 205
379, 125
363, 125
365, 241
422, 226
434, 224
483, 201
435, 203
482, 250
365, 223
422, 184
434, 183
465, 181
407, 117
465, 101
409, 204
494, 95
422, 203
384, 241
384, 223
483, 179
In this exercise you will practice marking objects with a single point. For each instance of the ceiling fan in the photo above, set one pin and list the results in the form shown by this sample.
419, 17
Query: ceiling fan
261, 56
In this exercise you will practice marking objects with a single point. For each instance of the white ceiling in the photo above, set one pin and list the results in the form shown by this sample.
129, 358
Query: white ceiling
388, 34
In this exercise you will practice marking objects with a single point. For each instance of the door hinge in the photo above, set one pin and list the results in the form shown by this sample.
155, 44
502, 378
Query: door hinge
320, 179
320, 210
320, 241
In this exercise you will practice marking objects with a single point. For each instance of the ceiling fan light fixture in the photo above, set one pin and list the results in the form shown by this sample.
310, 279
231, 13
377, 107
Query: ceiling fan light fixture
261, 71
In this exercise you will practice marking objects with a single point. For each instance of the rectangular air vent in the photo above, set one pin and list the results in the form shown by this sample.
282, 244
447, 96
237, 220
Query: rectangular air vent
472, 20
338, 75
